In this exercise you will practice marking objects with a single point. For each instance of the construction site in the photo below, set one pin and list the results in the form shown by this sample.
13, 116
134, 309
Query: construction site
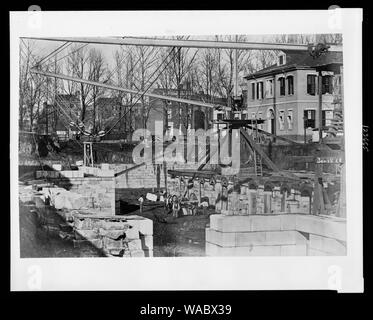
170, 147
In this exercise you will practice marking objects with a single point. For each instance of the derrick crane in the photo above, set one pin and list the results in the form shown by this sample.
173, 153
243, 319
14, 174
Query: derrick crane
314, 50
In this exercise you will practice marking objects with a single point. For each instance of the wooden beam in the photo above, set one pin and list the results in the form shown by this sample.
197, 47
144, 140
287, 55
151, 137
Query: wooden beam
273, 135
111, 87
137, 41
266, 159
259, 150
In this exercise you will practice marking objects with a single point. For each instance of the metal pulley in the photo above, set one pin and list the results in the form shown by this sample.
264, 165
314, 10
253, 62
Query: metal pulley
212, 181
190, 184
101, 133
224, 182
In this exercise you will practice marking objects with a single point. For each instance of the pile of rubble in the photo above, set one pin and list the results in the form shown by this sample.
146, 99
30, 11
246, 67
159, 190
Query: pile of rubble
116, 235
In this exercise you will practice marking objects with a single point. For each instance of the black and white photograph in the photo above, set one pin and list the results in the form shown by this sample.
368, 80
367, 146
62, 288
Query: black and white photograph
135, 147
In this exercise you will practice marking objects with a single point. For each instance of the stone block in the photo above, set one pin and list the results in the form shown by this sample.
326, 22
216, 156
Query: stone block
148, 253
86, 234
225, 223
57, 167
328, 245
265, 223
294, 250
145, 226
67, 173
136, 254
244, 239
288, 222
147, 242
216, 250
314, 252
323, 226
224, 239
284, 238
98, 243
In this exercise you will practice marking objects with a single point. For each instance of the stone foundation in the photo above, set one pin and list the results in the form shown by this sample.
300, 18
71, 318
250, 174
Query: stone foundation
275, 235
130, 236
96, 187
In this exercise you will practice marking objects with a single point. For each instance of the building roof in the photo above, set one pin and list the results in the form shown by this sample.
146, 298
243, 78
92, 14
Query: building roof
69, 98
300, 60
188, 94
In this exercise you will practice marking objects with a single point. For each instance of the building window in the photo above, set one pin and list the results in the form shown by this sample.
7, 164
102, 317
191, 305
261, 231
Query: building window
282, 86
281, 60
311, 84
253, 91
219, 117
327, 84
259, 90
327, 116
289, 119
260, 117
310, 119
252, 115
290, 85
269, 89
281, 119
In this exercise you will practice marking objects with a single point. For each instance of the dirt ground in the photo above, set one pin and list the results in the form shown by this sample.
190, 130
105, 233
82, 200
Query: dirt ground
172, 237
52, 237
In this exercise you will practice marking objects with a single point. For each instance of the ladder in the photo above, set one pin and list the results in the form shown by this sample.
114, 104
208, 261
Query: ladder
258, 166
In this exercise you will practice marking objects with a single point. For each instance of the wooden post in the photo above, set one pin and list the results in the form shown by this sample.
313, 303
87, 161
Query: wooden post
274, 109
318, 199
88, 154
319, 82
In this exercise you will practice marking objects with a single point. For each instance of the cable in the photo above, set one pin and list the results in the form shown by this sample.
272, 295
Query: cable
58, 102
50, 54
173, 49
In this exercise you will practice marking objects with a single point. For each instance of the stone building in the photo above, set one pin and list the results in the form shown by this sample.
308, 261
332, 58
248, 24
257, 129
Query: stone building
175, 115
286, 93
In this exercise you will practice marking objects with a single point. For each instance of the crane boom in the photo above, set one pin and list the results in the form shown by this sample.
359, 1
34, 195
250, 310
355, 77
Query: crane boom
185, 43
111, 87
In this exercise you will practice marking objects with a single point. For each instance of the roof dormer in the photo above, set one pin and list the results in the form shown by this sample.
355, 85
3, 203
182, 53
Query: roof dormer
281, 59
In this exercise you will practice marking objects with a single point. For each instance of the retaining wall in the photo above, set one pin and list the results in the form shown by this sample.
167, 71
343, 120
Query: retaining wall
97, 191
275, 235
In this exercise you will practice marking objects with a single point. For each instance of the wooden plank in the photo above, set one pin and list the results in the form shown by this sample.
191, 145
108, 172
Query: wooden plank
187, 43
259, 150
273, 135
111, 87
129, 169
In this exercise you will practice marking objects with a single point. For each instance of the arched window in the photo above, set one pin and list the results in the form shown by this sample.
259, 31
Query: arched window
290, 119
290, 85
282, 86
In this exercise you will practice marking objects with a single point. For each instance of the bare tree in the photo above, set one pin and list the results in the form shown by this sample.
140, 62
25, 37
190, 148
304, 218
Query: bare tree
142, 75
77, 65
208, 72
225, 65
31, 87
97, 70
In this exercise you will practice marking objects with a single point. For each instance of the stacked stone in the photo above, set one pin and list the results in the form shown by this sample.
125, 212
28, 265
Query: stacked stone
126, 237
99, 192
276, 200
304, 205
260, 200
292, 202
59, 174
254, 235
